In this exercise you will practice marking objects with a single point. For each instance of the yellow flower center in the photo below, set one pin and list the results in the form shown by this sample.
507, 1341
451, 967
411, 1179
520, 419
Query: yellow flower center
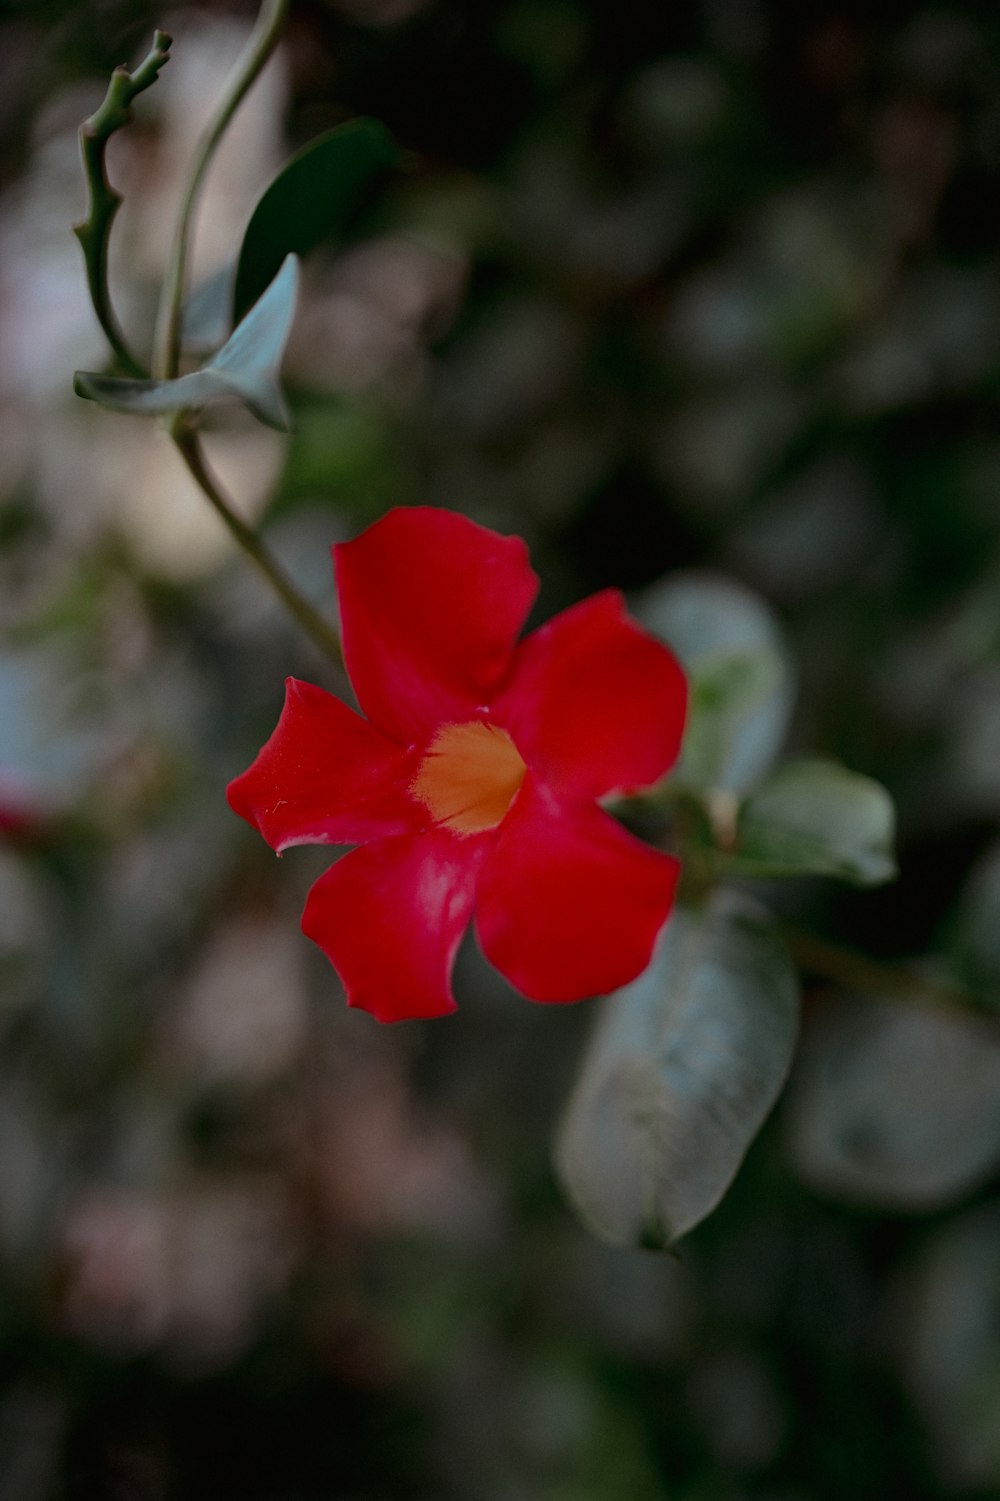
468, 777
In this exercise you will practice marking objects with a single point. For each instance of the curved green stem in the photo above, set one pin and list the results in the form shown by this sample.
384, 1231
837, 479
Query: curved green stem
828, 961
260, 45
322, 633
103, 202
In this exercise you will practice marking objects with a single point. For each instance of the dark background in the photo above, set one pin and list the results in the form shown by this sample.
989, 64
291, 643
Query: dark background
713, 286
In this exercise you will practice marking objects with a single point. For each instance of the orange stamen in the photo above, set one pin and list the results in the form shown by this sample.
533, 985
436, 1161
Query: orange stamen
469, 776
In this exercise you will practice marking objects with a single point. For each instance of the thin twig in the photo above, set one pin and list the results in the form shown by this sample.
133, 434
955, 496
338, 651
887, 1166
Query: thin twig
103, 201
260, 45
818, 956
322, 633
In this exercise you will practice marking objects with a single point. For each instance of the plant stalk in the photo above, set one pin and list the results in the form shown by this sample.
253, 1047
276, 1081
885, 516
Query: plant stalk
103, 201
853, 971
260, 45
322, 633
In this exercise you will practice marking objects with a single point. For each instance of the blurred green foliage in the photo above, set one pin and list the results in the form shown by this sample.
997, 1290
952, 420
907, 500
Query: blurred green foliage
710, 287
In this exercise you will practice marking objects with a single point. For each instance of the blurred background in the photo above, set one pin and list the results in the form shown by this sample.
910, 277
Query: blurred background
664, 287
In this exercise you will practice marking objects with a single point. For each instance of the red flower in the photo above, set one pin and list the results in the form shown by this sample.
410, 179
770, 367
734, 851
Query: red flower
471, 786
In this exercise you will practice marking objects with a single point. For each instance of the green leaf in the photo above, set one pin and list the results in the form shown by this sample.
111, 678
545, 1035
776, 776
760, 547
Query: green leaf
815, 817
314, 197
896, 1103
246, 367
946, 1333
741, 682
972, 940
684, 1067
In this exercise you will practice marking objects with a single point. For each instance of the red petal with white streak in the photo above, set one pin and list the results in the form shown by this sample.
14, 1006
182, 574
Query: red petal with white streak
326, 776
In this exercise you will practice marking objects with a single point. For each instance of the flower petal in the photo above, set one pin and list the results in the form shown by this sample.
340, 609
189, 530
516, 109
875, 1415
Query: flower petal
326, 776
594, 704
430, 607
390, 916
569, 903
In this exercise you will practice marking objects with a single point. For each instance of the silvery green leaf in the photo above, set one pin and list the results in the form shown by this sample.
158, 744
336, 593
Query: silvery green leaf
946, 1333
973, 942
897, 1103
684, 1067
741, 680
814, 817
